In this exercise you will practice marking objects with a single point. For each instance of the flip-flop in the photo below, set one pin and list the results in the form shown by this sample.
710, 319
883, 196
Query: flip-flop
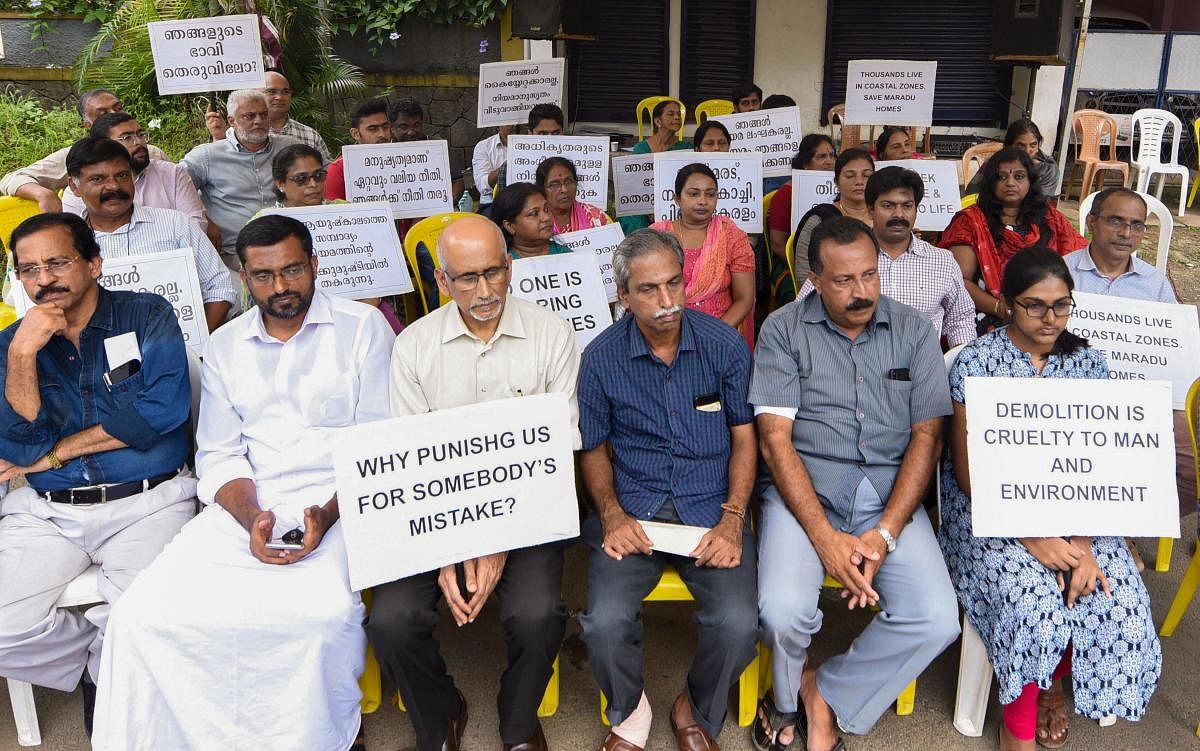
802, 727
764, 740
1050, 702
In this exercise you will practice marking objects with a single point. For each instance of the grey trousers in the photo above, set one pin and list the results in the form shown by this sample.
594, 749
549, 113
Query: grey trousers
918, 611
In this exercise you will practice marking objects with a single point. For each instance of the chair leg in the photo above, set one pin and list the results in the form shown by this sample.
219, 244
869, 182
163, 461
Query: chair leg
1183, 598
549, 703
906, 699
603, 709
748, 693
24, 713
764, 669
974, 683
1183, 188
1089, 172
1162, 560
1192, 195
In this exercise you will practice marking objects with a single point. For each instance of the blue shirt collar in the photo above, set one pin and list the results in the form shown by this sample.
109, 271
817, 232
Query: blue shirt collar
102, 317
1136, 265
637, 343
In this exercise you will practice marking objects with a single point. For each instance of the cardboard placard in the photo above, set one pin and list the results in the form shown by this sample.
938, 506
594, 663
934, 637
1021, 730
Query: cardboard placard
942, 199
633, 184
739, 185
414, 177
774, 133
508, 90
207, 54
810, 187
589, 154
601, 242
890, 92
568, 285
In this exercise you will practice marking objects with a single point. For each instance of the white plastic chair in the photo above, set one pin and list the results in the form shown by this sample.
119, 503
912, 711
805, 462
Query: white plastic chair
1156, 208
1149, 128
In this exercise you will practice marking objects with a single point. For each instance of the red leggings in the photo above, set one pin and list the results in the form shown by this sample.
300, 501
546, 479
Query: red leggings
1020, 717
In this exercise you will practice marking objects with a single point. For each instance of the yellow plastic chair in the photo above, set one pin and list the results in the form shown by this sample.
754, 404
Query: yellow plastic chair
426, 232
645, 111
1191, 200
1191, 579
790, 252
713, 108
766, 235
671, 588
13, 211
8, 315
970, 200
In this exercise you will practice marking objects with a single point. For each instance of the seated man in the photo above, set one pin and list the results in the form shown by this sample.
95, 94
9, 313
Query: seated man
849, 389
42, 180
101, 173
747, 97
664, 389
95, 415
489, 157
225, 642
368, 125
279, 103
485, 346
408, 124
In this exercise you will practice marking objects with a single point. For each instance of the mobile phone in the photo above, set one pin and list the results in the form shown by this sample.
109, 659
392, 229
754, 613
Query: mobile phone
293, 539
460, 573
1066, 592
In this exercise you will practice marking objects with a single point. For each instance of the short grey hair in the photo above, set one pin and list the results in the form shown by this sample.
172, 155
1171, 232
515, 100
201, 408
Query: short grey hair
86, 97
640, 243
237, 98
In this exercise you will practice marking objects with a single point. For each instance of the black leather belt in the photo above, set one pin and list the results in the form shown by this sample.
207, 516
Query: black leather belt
90, 496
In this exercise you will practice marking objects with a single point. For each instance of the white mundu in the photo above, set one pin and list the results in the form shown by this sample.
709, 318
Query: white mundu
211, 648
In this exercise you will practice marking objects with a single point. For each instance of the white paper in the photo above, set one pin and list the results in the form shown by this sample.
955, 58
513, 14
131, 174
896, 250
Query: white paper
568, 285
508, 90
810, 188
677, 539
122, 348
601, 242
207, 54
890, 92
589, 154
942, 200
633, 184
739, 185
414, 176
774, 133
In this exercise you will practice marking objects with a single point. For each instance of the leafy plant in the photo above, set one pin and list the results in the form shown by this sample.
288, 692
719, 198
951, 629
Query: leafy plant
379, 19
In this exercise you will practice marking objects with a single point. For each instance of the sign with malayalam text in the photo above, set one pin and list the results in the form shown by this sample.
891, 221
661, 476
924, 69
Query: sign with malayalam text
414, 176
739, 185
890, 92
207, 54
568, 285
600, 242
633, 184
774, 133
942, 200
589, 154
508, 90
810, 188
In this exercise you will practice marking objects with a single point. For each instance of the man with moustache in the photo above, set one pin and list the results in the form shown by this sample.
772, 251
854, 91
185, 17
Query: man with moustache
849, 389
369, 126
226, 641
95, 416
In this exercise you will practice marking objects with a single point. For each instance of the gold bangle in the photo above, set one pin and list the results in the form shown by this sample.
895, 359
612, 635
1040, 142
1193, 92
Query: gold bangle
52, 458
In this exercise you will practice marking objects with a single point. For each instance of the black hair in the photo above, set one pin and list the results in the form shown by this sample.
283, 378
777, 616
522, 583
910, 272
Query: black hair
894, 178
1020, 127
1033, 265
660, 108
778, 100
696, 168
545, 111
82, 237
743, 90
286, 157
549, 163
91, 150
407, 107
842, 230
509, 203
87, 96
107, 122
1103, 196
885, 135
272, 229
808, 149
1033, 208
703, 128
366, 108
850, 155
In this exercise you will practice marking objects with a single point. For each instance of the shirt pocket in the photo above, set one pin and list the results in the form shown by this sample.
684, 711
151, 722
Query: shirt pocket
124, 393
896, 403
331, 402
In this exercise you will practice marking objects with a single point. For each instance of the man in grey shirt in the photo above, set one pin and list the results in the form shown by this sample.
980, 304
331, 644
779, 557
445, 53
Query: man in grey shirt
850, 392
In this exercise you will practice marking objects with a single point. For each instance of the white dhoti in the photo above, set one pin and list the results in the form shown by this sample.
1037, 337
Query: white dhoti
213, 649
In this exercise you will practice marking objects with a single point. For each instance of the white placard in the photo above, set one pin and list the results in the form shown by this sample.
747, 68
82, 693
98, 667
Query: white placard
421, 492
942, 200
676, 539
507, 91
774, 133
601, 242
207, 54
589, 154
633, 184
1142, 340
890, 92
1065, 456
357, 248
739, 185
568, 285
810, 187
414, 176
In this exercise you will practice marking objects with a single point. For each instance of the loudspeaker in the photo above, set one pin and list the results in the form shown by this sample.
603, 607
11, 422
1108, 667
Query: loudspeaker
1033, 31
555, 19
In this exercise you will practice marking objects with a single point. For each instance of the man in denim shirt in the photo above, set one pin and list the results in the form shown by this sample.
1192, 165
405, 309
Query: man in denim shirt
95, 415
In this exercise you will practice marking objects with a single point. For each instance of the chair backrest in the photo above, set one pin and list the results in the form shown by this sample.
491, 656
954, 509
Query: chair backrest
13, 211
766, 215
791, 260
1155, 208
1191, 404
645, 114
713, 108
426, 232
194, 370
970, 200
975, 157
1090, 127
951, 355
1148, 129
850, 136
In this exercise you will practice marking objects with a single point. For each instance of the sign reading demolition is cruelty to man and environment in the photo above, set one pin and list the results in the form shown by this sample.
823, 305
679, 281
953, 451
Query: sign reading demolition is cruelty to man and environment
414, 177
421, 492
358, 251
207, 54
508, 90
589, 154
633, 184
774, 133
739, 185
890, 92
1052, 457
600, 242
942, 200
569, 286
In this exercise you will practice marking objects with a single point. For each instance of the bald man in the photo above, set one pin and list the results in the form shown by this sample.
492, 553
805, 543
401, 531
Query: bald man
485, 346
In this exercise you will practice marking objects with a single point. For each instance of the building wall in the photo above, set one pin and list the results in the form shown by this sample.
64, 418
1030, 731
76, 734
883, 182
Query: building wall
789, 53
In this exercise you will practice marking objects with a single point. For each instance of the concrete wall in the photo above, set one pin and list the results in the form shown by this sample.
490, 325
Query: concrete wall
789, 53
44, 73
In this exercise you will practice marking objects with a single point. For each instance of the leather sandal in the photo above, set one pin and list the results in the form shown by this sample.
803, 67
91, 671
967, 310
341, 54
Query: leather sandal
802, 728
1051, 705
691, 737
769, 724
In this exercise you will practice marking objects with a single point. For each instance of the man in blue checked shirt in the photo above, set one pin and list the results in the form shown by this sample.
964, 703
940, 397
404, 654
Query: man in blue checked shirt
668, 437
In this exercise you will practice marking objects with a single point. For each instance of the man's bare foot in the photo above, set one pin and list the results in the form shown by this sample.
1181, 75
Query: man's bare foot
1010, 743
822, 730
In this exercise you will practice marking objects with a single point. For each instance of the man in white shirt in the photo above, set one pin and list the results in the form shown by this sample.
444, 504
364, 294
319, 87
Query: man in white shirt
224, 642
485, 346
490, 155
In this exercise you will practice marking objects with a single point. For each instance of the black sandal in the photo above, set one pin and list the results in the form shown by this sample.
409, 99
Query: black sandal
802, 727
767, 738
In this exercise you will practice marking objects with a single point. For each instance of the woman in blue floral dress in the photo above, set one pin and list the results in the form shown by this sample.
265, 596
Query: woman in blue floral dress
1099, 630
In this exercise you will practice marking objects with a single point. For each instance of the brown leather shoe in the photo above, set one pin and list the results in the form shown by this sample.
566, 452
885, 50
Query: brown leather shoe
458, 726
615, 742
536, 742
690, 737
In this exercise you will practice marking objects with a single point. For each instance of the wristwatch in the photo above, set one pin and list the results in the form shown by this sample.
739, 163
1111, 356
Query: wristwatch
53, 460
887, 538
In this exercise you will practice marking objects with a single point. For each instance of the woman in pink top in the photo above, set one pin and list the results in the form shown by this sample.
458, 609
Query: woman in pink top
557, 176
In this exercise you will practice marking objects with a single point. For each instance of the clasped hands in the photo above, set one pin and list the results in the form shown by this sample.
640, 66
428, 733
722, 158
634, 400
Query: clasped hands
853, 562
1074, 555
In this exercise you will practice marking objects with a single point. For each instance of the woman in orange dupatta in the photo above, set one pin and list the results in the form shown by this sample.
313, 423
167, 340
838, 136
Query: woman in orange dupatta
718, 262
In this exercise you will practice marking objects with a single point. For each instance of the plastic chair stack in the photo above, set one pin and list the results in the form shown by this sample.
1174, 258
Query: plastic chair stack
1150, 128
1090, 127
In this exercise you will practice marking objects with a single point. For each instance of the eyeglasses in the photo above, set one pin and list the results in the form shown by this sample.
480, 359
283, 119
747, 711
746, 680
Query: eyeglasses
567, 184
1118, 224
277, 92
470, 280
135, 136
288, 274
304, 178
56, 266
1037, 308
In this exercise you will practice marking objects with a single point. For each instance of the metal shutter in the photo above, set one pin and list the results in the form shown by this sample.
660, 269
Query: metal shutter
717, 51
629, 60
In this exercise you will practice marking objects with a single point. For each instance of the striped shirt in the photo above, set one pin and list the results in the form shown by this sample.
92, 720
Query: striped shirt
1142, 281
667, 425
855, 404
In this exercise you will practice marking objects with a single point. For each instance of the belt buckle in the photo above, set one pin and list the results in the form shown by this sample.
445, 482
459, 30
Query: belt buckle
103, 495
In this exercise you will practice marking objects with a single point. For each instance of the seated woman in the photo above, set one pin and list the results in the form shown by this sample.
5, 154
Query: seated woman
711, 135
299, 174
558, 178
1024, 134
718, 262
850, 172
666, 119
523, 215
1011, 215
816, 152
1100, 629
894, 143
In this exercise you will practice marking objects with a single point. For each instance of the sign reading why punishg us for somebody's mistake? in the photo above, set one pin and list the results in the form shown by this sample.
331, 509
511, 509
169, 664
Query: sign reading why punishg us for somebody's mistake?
589, 154
421, 492
207, 54
507, 91
774, 133
414, 177
739, 185
1065, 456
890, 92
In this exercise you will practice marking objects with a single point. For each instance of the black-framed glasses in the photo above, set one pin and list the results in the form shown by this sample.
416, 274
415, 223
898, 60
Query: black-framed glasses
469, 280
56, 266
1117, 224
1037, 308
304, 178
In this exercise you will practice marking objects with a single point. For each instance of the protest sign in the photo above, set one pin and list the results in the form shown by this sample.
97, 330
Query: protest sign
357, 248
589, 154
810, 187
421, 492
601, 242
207, 54
739, 185
633, 184
507, 91
774, 133
942, 200
1053, 457
568, 285
414, 176
890, 92
1142, 340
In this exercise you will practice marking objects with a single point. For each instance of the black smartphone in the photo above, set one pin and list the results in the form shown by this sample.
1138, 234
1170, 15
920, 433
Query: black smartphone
460, 573
1066, 583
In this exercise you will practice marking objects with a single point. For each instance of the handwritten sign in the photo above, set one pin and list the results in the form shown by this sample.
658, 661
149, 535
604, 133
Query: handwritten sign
890, 92
207, 54
357, 248
942, 200
810, 187
633, 184
601, 242
414, 177
455, 484
568, 285
774, 133
1052, 456
739, 185
589, 154
1142, 340
507, 91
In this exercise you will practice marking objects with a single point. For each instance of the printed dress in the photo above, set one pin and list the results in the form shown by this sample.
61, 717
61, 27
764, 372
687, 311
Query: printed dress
1013, 601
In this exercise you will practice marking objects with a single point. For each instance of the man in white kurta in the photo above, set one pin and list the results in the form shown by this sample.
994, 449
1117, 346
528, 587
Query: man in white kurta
223, 642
